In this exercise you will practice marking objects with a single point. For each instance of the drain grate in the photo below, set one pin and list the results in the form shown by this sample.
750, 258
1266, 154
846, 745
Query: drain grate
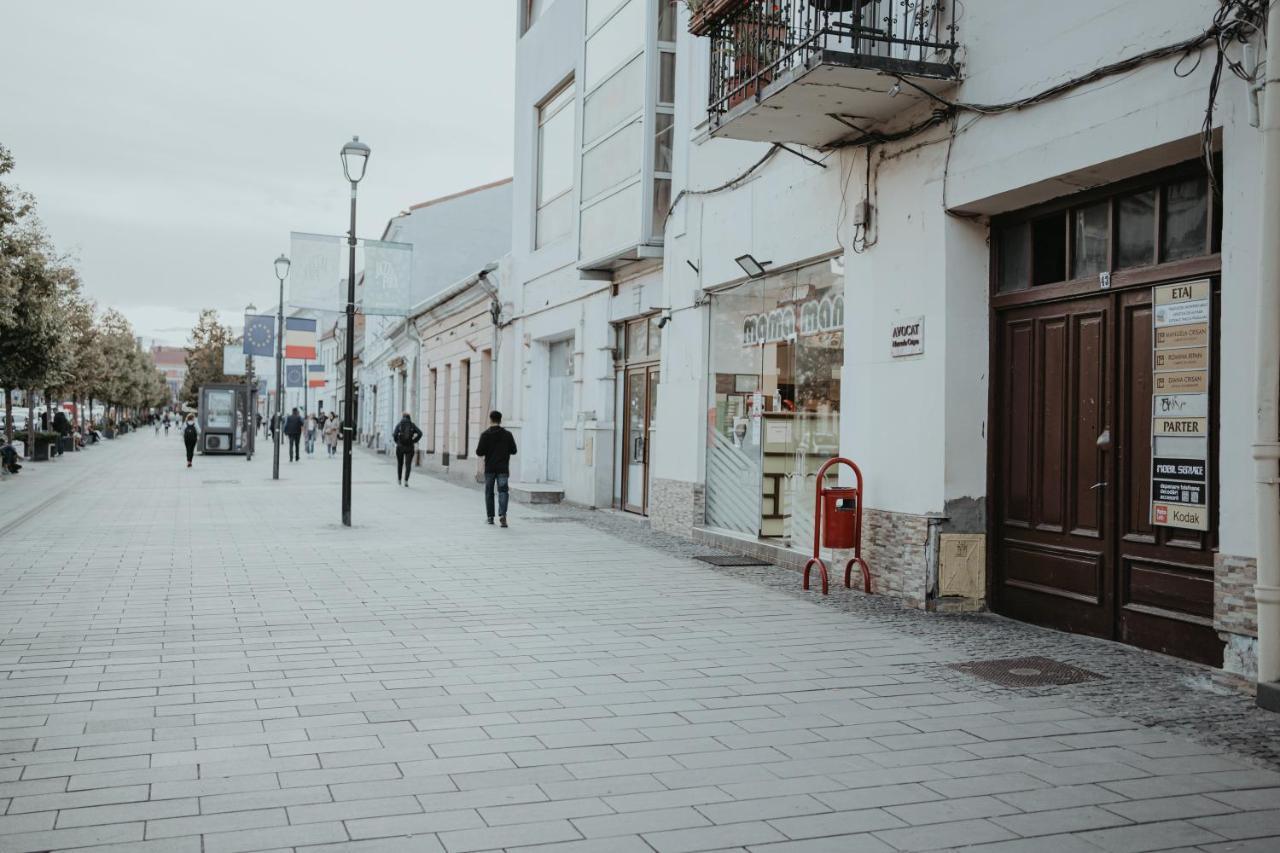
732, 560
1026, 672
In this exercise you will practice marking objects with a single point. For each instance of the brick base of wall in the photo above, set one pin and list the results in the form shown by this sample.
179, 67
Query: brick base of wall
675, 507
1235, 612
896, 547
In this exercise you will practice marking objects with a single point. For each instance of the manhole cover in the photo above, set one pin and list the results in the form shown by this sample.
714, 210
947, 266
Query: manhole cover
732, 560
1026, 672
220, 482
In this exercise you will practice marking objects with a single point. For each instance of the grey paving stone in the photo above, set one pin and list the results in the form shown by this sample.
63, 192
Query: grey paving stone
939, 836
712, 837
1253, 824
414, 824
518, 835
1149, 836
638, 822
282, 837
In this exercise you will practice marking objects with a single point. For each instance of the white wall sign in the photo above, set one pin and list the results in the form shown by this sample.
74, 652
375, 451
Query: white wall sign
907, 337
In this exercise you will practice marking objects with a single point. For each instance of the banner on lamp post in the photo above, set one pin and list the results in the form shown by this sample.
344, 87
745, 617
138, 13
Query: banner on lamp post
315, 272
233, 360
388, 279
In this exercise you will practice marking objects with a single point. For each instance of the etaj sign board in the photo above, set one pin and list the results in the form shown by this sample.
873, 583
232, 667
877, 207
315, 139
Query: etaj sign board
1180, 411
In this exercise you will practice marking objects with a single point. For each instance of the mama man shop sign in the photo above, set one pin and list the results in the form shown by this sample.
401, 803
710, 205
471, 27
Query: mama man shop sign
786, 321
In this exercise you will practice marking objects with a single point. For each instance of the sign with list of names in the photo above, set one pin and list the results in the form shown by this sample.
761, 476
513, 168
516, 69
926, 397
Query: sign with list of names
1180, 317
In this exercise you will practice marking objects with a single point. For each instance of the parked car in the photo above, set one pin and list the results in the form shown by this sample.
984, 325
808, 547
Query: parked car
19, 421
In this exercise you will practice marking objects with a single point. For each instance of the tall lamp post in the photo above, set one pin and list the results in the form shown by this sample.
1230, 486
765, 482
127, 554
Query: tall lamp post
251, 417
355, 157
282, 272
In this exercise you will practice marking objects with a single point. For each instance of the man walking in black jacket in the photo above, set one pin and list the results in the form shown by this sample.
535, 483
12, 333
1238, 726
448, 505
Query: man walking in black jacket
405, 436
497, 446
293, 429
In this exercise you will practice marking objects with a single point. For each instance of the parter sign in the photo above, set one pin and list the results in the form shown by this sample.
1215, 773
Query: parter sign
1181, 316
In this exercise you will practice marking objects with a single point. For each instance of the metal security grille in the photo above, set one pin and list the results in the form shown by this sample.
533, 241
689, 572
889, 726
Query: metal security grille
1026, 672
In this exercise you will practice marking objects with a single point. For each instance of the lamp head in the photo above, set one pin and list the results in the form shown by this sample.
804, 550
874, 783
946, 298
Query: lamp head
355, 156
752, 267
282, 267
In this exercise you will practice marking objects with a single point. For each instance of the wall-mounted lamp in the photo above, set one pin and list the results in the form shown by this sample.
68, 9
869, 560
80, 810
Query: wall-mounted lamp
752, 267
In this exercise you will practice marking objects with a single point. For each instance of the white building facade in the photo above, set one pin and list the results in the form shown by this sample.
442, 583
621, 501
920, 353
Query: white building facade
1003, 259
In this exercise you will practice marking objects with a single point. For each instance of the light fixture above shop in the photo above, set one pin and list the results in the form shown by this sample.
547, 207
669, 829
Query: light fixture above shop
752, 267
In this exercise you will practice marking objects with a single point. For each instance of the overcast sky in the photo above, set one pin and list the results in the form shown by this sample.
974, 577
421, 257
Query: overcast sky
173, 145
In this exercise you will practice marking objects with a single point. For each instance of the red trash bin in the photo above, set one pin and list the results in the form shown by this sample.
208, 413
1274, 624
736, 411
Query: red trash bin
839, 516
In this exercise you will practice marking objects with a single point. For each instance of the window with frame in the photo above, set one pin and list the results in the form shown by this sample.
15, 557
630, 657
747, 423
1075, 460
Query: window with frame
556, 150
1163, 218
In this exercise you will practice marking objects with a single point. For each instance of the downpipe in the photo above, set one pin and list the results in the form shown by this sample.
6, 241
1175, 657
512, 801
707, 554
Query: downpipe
1266, 448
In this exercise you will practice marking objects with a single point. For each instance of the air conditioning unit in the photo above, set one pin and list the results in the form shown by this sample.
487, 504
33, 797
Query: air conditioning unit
217, 442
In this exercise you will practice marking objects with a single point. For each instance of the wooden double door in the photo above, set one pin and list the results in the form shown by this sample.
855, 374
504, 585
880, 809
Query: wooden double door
1073, 543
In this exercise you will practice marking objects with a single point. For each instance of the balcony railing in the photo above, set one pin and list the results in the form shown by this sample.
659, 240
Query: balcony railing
757, 42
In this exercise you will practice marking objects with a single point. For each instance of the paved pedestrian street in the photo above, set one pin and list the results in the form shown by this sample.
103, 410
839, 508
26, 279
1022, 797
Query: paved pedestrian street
205, 660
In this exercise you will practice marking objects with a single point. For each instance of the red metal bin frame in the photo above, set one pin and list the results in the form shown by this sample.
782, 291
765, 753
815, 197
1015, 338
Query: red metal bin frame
857, 532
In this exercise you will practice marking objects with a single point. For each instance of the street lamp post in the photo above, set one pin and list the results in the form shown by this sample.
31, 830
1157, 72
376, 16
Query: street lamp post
355, 157
251, 416
282, 272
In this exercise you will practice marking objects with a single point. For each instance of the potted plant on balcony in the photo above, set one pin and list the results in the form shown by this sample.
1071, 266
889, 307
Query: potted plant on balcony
757, 43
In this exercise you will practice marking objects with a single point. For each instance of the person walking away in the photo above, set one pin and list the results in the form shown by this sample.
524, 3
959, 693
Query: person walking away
330, 434
190, 435
293, 431
166, 423
311, 434
406, 437
497, 446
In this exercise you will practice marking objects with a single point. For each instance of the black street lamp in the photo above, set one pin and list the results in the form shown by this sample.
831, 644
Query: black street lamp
355, 157
251, 417
282, 272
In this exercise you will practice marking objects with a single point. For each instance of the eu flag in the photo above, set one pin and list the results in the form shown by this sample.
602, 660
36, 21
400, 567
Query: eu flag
259, 334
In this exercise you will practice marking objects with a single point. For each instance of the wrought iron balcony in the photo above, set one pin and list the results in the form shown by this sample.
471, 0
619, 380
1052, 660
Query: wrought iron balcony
810, 71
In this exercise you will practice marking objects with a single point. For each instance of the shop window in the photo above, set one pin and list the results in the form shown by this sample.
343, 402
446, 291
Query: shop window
1185, 216
637, 341
1049, 249
1091, 238
1136, 230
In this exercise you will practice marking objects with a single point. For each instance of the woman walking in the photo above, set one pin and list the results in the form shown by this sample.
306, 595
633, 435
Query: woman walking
331, 434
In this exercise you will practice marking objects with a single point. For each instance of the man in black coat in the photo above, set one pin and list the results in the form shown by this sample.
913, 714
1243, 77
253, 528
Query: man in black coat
497, 446
293, 429
406, 436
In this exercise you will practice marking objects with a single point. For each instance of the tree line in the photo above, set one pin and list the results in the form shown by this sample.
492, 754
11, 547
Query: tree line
53, 338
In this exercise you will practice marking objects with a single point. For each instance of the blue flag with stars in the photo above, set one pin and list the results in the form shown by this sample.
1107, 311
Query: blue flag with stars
259, 334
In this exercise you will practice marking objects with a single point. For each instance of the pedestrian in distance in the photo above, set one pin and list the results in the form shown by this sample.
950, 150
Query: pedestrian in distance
406, 436
330, 433
311, 433
166, 423
497, 446
293, 430
190, 435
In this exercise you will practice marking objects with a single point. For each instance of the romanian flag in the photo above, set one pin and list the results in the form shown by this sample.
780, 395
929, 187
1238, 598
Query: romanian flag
315, 376
300, 338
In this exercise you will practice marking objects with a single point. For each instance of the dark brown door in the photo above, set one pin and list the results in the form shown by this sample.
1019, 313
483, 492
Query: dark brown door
1074, 547
1053, 549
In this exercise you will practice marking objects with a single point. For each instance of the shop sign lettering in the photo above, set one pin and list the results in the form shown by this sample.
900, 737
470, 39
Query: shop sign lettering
785, 322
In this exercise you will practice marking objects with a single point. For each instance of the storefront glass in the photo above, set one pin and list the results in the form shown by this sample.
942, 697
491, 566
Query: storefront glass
777, 347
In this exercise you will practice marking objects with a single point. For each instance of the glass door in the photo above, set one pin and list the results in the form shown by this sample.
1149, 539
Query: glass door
736, 407
636, 441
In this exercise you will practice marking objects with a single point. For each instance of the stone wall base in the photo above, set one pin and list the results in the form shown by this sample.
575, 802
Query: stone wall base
897, 548
675, 506
1235, 613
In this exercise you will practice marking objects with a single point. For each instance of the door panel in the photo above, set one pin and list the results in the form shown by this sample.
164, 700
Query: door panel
636, 439
1166, 574
1053, 563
